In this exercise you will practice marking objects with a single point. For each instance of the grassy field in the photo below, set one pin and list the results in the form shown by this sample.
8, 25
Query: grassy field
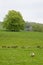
26, 43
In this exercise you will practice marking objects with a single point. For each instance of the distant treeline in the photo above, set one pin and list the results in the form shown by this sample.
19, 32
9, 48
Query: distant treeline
33, 27
29, 26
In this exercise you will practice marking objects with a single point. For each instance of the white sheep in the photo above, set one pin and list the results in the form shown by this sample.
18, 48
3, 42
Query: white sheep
32, 54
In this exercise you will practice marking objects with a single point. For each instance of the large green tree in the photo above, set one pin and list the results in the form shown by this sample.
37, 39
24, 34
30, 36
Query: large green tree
13, 21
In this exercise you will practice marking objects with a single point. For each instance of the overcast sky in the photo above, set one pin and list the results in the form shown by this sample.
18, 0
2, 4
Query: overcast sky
31, 10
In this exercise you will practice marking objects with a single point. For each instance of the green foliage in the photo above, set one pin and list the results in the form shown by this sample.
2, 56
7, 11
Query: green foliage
13, 21
37, 27
1, 26
34, 26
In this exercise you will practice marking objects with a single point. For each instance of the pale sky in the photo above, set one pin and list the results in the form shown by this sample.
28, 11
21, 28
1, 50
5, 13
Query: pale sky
31, 10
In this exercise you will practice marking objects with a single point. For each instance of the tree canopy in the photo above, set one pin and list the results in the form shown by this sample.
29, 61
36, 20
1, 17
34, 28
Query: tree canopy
13, 21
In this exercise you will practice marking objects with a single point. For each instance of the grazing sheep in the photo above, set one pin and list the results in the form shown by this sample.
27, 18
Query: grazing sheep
38, 46
14, 46
3, 46
8, 46
32, 54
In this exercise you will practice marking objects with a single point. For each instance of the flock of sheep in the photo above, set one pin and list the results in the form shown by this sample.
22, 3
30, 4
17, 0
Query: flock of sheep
32, 54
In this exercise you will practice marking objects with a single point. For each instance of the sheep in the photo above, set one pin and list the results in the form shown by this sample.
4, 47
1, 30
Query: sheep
3, 46
14, 46
8, 46
32, 54
38, 46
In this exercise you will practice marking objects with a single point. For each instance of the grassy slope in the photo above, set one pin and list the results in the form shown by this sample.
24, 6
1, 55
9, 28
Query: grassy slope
21, 38
20, 56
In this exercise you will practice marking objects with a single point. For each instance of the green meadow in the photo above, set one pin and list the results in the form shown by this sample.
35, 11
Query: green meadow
26, 42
